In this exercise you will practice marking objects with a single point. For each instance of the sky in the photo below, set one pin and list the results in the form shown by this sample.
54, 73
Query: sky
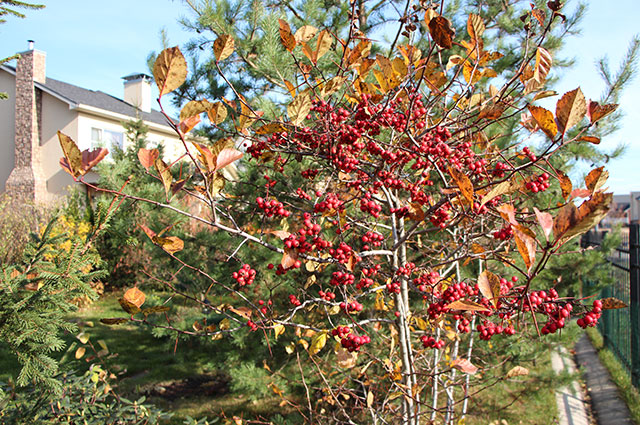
93, 44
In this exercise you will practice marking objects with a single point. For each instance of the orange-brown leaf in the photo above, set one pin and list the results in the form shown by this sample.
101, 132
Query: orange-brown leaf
612, 303
464, 365
171, 244
441, 31
596, 112
573, 221
463, 183
508, 213
148, 157
596, 179
591, 139
565, 184
489, 286
570, 109
466, 305
544, 119
134, 296
289, 258
526, 244
165, 174
286, 37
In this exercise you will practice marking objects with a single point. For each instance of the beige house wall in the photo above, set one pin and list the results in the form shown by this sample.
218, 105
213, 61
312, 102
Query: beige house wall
156, 135
56, 115
7, 127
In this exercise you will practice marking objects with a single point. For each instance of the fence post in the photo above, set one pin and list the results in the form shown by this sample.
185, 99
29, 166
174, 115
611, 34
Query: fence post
634, 281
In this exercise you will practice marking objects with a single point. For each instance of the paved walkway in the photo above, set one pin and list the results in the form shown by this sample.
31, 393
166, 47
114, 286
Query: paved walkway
571, 400
606, 403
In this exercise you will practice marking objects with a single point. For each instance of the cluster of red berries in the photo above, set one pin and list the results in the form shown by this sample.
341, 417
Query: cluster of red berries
302, 194
451, 294
431, 342
350, 307
406, 270
330, 203
245, 275
371, 207
529, 154
464, 326
372, 238
272, 207
343, 253
591, 318
341, 278
488, 329
393, 287
294, 300
539, 184
310, 173
440, 216
504, 234
557, 316
263, 307
252, 326
352, 342
427, 281
341, 331
499, 169
327, 296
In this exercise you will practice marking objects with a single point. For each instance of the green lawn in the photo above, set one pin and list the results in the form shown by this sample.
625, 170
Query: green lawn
193, 378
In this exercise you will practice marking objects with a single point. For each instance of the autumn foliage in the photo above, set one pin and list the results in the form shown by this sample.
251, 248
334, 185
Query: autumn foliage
404, 230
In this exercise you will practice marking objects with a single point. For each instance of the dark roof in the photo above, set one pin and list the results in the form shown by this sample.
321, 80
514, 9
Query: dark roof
78, 95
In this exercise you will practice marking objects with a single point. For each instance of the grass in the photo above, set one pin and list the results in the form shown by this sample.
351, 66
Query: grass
144, 363
618, 373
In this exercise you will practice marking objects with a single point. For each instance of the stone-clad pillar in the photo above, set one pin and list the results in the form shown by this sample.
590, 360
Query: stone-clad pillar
27, 179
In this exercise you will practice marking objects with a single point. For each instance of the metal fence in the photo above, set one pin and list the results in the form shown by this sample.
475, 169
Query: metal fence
620, 328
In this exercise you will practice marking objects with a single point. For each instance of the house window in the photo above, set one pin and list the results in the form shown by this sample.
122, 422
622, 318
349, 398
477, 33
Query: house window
106, 138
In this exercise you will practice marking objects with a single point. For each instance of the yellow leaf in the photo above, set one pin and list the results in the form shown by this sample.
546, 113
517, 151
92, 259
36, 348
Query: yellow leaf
305, 33
165, 174
299, 108
278, 330
290, 348
194, 107
217, 113
324, 44
223, 47
170, 70
171, 244
80, 352
318, 342
224, 324
517, 371
475, 26
72, 155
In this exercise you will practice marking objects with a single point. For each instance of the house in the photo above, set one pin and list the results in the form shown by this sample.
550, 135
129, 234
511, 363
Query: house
39, 106
624, 210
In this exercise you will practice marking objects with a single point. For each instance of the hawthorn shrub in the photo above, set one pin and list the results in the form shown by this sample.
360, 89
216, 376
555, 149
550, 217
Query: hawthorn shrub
403, 231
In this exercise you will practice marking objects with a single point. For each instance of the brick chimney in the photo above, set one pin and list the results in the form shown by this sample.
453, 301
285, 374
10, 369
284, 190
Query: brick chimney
27, 180
137, 91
